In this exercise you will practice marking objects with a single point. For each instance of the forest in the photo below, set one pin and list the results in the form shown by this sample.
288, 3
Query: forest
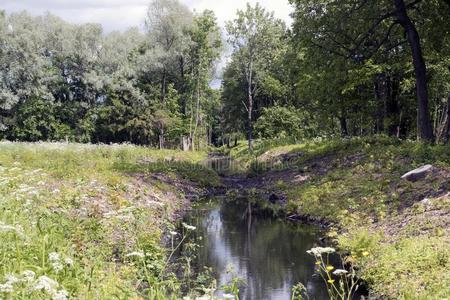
250, 158
350, 68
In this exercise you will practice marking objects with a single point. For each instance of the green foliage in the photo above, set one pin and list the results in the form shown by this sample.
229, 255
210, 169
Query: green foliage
60, 81
417, 265
279, 122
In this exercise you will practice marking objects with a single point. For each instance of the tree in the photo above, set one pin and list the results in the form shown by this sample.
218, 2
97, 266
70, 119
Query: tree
254, 35
425, 130
167, 23
358, 30
204, 51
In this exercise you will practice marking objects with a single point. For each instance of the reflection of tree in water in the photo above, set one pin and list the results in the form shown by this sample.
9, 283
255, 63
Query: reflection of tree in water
270, 256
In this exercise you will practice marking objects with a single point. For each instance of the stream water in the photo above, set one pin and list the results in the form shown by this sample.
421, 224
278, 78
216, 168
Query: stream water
269, 255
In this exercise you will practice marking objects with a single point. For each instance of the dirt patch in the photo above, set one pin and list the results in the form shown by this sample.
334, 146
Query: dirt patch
427, 217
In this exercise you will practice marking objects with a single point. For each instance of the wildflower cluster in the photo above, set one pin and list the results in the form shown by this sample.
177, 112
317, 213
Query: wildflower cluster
27, 280
57, 263
341, 284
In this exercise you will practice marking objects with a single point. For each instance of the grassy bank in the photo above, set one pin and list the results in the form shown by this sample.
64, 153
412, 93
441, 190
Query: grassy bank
396, 232
86, 222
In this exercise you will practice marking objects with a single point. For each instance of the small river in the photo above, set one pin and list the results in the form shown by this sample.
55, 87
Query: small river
268, 254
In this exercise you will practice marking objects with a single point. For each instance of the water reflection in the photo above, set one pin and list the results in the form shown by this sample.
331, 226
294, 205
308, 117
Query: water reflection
270, 255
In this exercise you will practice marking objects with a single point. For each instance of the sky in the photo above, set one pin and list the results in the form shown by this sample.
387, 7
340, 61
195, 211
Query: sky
122, 14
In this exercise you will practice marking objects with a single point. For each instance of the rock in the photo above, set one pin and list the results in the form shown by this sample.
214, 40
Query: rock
425, 201
418, 173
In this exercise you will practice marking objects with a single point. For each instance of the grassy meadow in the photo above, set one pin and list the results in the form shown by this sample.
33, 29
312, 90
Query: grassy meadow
86, 222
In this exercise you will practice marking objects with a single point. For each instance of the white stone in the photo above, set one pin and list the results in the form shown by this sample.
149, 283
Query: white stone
418, 173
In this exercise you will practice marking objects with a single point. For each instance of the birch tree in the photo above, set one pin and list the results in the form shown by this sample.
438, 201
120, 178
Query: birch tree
255, 34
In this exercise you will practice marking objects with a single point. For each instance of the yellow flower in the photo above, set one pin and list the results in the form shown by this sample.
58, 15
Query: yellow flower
331, 281
317, 262
365, 253
329, 268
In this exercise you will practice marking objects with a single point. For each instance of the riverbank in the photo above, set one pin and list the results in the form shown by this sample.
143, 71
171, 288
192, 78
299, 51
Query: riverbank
396, 232
87, 221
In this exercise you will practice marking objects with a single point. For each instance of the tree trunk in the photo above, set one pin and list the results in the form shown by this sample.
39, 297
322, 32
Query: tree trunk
250, 123
183, 87
443, 130
161, 138
250, 106
446, 133
197, 114
163, 86
392, 105
424, 128
344, 127
379, 124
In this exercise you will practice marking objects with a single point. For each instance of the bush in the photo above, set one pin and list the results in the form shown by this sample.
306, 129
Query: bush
279, 122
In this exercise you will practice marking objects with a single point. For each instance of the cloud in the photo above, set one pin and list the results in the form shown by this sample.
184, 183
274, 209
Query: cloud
226, 10
122, 14
71, 4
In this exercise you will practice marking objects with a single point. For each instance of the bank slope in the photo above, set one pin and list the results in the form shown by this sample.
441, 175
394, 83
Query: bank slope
395, 231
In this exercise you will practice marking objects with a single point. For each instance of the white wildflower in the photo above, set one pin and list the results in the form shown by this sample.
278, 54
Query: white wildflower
28, 275
10, 278
173, 233
6, 288
57, 267
68, 261
318, 251
339, 272
60, 295
18, 229
136, 253
53, 256
6, 228
189, 227
47, 284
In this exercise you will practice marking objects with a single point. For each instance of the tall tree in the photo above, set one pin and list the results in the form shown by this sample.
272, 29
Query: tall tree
358, 30
204, 51
254, 35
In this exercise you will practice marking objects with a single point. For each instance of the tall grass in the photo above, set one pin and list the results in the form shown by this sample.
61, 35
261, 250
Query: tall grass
72, 220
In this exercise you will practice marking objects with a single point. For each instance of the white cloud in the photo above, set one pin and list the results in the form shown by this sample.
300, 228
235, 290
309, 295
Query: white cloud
226, 10
121, 14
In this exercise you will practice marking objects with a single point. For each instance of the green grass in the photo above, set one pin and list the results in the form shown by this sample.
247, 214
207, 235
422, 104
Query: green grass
356, 185
71, 216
